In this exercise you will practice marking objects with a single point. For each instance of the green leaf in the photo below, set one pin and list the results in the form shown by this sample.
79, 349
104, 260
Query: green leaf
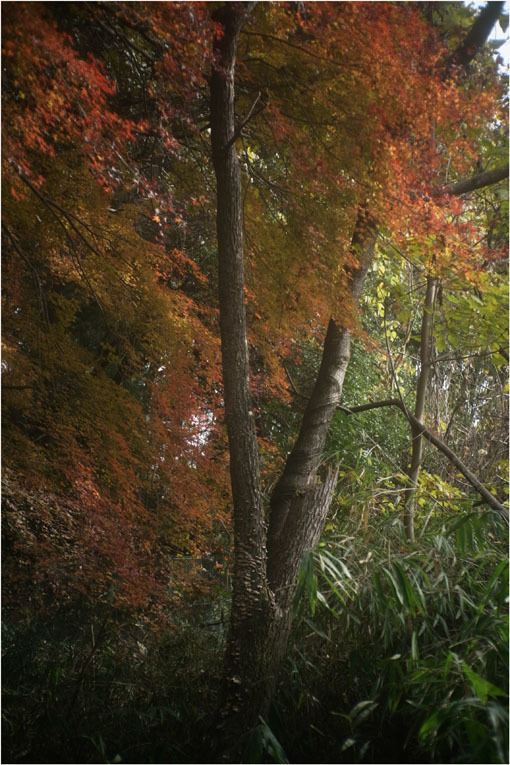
415, 653
430, 726
379, 589
397, 586
448, 663
413, 597
482, 687
272, 745
500, 568
347, 744
403, 316
362, 710
261, 743
317, 629
334, 565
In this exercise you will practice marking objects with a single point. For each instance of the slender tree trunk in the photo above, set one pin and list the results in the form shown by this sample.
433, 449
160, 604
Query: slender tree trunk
421, 396
300, 476
251, 604
462, 57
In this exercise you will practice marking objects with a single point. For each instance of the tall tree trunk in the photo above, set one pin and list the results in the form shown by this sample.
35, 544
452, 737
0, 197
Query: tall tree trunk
265, 583
250, 599
419, 408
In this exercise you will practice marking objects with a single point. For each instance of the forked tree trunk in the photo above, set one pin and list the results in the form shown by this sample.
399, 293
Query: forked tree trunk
265, 581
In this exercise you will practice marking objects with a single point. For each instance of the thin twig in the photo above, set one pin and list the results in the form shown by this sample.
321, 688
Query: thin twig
251, 114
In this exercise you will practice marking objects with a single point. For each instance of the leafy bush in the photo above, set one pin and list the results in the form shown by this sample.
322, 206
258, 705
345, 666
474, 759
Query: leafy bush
413, 640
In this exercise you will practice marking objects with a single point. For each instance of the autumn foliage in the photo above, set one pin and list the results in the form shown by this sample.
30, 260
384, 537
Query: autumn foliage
114, 452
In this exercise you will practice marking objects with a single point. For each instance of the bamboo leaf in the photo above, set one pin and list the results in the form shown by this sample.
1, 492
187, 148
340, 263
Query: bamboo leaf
482, 687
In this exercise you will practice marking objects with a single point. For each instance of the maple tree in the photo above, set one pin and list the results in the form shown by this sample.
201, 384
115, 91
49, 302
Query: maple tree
110, 376
114, 387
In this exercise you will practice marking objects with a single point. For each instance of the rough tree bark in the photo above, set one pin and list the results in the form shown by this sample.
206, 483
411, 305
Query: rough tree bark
251, 605
296, 514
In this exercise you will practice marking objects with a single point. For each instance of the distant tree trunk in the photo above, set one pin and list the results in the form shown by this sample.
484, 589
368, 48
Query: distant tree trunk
489, 498
466, 51
419, 408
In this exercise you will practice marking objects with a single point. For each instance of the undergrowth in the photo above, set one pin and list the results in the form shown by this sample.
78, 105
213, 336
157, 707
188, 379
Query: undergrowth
398, 654
77, 690
400, 651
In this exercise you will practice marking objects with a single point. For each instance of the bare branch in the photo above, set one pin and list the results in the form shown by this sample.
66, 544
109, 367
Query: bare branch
489, 498
293, 385
251, 114
480, 181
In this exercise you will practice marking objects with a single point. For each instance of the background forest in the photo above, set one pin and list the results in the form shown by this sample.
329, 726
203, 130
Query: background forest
368, 171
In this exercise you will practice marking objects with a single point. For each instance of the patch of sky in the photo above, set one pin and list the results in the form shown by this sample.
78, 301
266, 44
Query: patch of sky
499, 37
